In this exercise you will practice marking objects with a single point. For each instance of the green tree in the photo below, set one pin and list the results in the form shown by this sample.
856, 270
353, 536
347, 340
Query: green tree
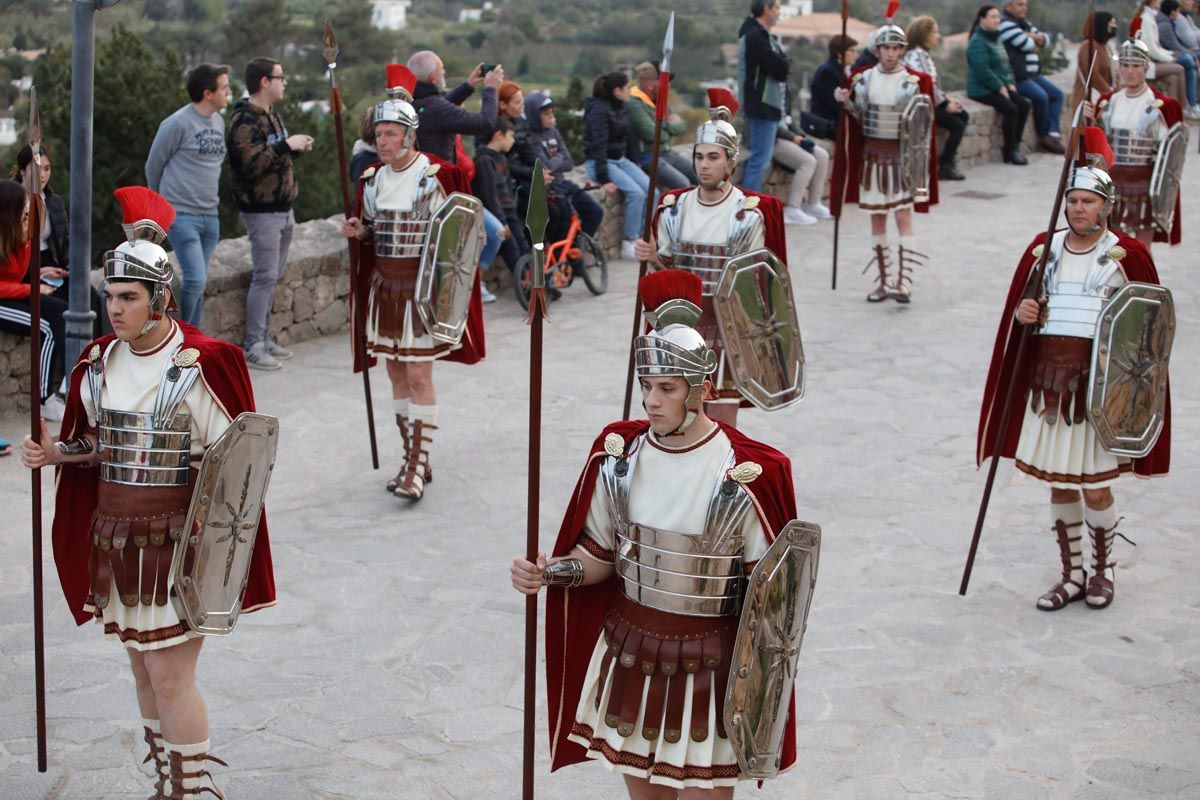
569, 118
476, 39
256, 28
122, 130
523, 65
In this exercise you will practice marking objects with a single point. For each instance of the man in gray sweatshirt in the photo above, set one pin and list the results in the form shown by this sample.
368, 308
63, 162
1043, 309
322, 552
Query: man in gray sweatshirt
184, 166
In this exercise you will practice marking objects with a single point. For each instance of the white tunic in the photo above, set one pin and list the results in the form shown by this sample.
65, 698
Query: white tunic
1068, 456
668, 491
131, 384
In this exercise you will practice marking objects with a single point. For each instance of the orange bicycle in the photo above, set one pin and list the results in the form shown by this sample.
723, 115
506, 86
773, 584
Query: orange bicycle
574, 254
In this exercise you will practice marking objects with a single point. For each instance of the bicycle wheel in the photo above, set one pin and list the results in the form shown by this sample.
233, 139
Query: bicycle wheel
523, 279
592, 264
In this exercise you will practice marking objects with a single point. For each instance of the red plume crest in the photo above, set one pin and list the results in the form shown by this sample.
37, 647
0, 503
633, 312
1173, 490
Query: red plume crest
400, 76
1095, 143
139, 203
669, 284
892, 7
723, 97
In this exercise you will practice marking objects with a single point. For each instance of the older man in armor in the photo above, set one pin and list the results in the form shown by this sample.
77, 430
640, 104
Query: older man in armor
698, 229
397, 197
1137, 120
145, 404
647, 577
886, 159
1056, 439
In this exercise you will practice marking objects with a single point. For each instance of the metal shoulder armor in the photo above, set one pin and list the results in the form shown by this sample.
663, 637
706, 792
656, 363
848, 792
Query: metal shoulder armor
178, 377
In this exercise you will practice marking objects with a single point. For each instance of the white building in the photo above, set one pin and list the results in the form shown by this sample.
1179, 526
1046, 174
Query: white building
474, 14
390, 15
795, 8
8, 131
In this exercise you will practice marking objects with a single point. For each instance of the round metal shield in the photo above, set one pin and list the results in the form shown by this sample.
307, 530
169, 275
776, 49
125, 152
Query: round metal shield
1127, 395
759, 329
209, 571
446, 277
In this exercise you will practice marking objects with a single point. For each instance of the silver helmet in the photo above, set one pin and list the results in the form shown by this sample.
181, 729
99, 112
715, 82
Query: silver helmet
719, 130
888, 34
147, 216
1090, 172
1134, 51
673, 346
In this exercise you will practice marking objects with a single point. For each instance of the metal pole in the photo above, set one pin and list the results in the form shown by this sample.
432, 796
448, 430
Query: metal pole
80, 317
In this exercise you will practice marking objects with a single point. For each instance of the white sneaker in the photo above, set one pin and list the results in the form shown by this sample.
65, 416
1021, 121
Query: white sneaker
278, 350
53, 408
1192, 112
818, 210
627, 253
796, 216
486, 296
257, 357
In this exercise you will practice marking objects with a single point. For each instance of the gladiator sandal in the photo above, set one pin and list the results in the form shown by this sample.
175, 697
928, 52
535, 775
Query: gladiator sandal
162, 767
402, 424
902, 291
187, 773
1070, 588
882, 259
1100, 585
412, 479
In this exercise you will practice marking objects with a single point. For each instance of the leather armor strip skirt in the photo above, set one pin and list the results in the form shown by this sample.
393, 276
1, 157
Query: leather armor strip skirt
394, 328
882, 187
653, 700
1132, 212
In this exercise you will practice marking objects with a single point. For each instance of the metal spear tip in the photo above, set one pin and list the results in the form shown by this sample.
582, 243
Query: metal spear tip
537, 215
668, 44
34, 130
331, 46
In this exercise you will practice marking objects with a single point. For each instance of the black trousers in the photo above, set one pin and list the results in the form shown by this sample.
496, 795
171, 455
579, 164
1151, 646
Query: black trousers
1014, 110
954, 123
15, 318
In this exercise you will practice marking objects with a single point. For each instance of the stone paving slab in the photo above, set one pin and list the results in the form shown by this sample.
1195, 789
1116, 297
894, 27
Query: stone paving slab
392, 665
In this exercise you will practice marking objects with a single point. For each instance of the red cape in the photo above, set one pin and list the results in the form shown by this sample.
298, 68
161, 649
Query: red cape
574, 616
453, 179
1139, 266
1172, 113
769, 206
846, 174
223, 371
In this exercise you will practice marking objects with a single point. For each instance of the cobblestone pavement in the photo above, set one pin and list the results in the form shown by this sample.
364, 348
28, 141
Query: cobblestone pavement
392, 664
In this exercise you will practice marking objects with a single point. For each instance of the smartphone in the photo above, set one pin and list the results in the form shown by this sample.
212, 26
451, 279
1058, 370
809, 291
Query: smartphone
55, 282
486, 68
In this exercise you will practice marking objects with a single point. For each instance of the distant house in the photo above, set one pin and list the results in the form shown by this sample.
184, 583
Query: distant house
474, 14
8, 129
821, 27
390, 15
795, 8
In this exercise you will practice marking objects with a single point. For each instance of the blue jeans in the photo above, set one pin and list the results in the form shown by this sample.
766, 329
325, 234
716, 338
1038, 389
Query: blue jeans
1047, 102
634, 185
492, 226
1189, 68
762, 150
193, 237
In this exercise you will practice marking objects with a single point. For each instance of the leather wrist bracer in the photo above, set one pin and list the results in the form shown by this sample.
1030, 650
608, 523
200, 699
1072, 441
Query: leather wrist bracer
77, 447
567, 573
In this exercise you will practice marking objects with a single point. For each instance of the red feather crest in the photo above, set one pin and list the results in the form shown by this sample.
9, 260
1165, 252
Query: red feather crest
400, 76
1096, 143
139, 203
669, 284
723, 97
892, 7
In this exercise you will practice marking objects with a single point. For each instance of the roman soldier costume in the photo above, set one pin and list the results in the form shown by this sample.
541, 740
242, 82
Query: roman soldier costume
886, 158
1085, 384
640, 666
1149, 141
402, 211
119, 527
701, 237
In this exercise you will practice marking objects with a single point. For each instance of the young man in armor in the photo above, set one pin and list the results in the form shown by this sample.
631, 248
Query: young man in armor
875, 144
1136, 119
396, 199
698, 229
144, 405
637, 674
1054, 439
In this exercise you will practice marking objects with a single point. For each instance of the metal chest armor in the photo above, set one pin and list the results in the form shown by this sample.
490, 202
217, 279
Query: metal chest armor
147, 448
1136, 146
881, 120
708, 260
700, 576
1073, 308
402, 234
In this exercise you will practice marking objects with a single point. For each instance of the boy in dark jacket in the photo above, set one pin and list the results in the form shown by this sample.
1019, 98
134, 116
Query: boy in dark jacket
548, 145
493, 186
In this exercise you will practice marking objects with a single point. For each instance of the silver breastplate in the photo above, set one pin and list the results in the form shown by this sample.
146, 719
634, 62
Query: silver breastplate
402, 234
708, 260
679, 573
1131, 148
146, 448
881, 122
1073, 308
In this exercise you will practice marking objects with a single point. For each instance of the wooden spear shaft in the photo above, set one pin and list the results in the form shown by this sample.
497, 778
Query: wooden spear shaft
35, 486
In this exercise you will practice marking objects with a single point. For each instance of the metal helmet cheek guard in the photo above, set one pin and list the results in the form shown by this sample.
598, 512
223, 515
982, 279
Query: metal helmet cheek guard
146, 218
719, 130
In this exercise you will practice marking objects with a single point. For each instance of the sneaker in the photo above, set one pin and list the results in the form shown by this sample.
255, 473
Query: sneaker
627, 253
796, 216
816, 210
948, 172
53, 408
257, 357
486, 296
278, 350
1192, 112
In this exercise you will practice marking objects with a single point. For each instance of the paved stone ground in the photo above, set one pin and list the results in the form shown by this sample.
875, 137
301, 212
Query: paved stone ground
392, 664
